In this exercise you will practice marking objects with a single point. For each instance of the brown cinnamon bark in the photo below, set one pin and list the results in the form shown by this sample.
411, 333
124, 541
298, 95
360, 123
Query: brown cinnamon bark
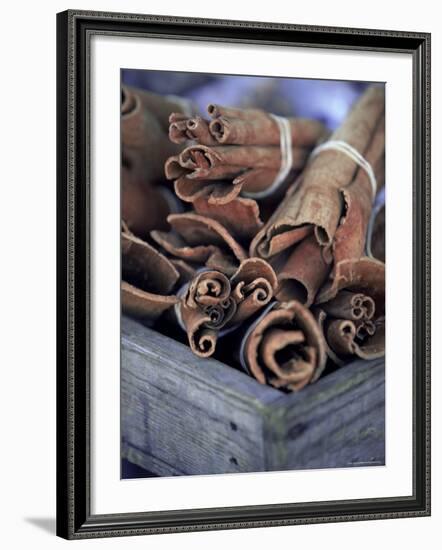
145, 148
304, 272
358, 286
204, 172
240, 216
256, 127
365, 275
201, 240
145, 267
148, 279
186, 270
350, 236
216, 192
364, 339
182, 129
205, 309
286, 348
144, 305
144, 138
353, 306
160, 105
144, 206
314, 202
321, 318
253, 286
229, 161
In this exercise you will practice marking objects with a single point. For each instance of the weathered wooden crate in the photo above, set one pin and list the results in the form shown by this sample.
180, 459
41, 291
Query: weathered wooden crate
186, 415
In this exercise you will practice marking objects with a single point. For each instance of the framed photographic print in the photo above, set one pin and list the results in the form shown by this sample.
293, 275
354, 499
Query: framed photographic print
243, 274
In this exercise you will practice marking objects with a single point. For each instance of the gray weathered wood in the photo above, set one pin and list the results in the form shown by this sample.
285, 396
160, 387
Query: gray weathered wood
186, 415
337, 422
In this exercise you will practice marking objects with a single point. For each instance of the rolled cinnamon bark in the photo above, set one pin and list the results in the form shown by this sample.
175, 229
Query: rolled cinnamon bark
230, 161
145, 147
144, 138
285, 347
210, 172
364, 339
304, 272
144, 207
253, 286
186, 270
240, 216
216, 192
148, 279
358, 286
182, 129
353, 306
160, 105
201, 240
256, 127
364, 275
321, 318
350, 236
144, 305
205, 309
314, 202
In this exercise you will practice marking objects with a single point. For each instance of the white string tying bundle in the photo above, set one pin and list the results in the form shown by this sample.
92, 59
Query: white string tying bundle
350, 151
355, 155
285, 142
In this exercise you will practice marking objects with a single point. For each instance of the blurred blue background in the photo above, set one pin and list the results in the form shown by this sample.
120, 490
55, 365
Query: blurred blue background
325, 100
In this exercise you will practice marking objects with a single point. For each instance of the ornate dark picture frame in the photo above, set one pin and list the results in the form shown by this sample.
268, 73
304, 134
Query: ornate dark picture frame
74, 31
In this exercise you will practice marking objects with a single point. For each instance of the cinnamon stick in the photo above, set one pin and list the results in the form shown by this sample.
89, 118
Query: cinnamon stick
148, 279
354, 302
216, 192
350, 236
285, 347
144, 137
314, 202
240, 216
252, 168
304, 272
144, 305
253, 286
201, 240
256, 127
145, 147
144, 207
205, 309
183, 129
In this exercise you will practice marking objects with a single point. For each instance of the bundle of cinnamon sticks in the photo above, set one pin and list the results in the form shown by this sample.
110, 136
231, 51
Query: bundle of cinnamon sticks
272, 254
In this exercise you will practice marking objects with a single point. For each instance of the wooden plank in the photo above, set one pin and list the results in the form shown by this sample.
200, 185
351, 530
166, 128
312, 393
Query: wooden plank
186, 415
337, 422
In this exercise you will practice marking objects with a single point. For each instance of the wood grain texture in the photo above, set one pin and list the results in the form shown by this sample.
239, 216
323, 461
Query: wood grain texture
186, 415
182, 414
337, 422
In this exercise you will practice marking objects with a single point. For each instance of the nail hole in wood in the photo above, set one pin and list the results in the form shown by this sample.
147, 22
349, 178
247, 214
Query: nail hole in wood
233, 426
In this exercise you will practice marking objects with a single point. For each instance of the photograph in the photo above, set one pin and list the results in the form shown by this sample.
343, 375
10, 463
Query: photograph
253, 213
243, 272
